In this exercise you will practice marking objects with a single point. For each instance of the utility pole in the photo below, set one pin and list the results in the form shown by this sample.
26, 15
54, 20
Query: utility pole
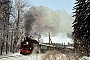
49, 40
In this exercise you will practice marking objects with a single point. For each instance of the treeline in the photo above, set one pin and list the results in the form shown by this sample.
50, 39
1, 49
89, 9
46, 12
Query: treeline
11, 25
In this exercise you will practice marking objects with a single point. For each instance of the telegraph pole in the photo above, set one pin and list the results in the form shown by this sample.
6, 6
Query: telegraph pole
49, 40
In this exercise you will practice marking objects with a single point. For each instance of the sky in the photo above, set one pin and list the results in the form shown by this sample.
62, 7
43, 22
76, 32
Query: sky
55, 4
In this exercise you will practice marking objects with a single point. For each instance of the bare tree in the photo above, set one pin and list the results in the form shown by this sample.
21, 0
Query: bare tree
5, 9
19, 9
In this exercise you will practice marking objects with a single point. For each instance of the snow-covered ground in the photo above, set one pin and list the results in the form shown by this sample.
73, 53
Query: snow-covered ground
85, 58
18, 56
47, 56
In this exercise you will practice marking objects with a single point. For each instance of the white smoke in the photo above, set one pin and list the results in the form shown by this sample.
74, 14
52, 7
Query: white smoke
47, 20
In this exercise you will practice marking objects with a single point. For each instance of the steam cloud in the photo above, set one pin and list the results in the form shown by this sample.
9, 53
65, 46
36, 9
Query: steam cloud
43, 20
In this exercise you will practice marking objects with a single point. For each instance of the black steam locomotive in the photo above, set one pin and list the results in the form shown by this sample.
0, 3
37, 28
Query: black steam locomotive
28, 45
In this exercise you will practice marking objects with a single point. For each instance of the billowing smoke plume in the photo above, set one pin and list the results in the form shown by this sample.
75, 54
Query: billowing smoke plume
29, 19
43, 20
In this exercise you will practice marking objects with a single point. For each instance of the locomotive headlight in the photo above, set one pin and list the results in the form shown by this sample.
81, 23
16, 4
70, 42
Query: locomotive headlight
30, 48
26, 42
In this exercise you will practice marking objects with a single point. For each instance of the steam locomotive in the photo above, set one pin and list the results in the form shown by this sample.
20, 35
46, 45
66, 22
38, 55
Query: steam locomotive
28, 45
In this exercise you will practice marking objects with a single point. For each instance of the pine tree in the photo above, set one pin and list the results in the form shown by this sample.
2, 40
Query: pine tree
87, 27
81, 26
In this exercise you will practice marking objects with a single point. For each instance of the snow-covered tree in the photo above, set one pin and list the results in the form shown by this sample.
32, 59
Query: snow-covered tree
81, 27
19, 8
5, 9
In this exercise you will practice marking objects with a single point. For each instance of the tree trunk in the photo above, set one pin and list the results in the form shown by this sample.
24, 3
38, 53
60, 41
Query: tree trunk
11, 43
13, 48
2, 48
6, 47
7, 44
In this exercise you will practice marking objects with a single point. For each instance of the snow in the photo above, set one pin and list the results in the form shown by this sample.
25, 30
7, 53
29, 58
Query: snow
45, 56
85, 58
18, 56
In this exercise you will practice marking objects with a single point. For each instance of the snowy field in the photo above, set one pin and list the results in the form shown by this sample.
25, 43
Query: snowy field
47, 56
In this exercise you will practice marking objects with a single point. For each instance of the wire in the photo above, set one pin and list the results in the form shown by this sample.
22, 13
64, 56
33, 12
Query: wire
31, 3
60, 4
59, 8
68, 4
